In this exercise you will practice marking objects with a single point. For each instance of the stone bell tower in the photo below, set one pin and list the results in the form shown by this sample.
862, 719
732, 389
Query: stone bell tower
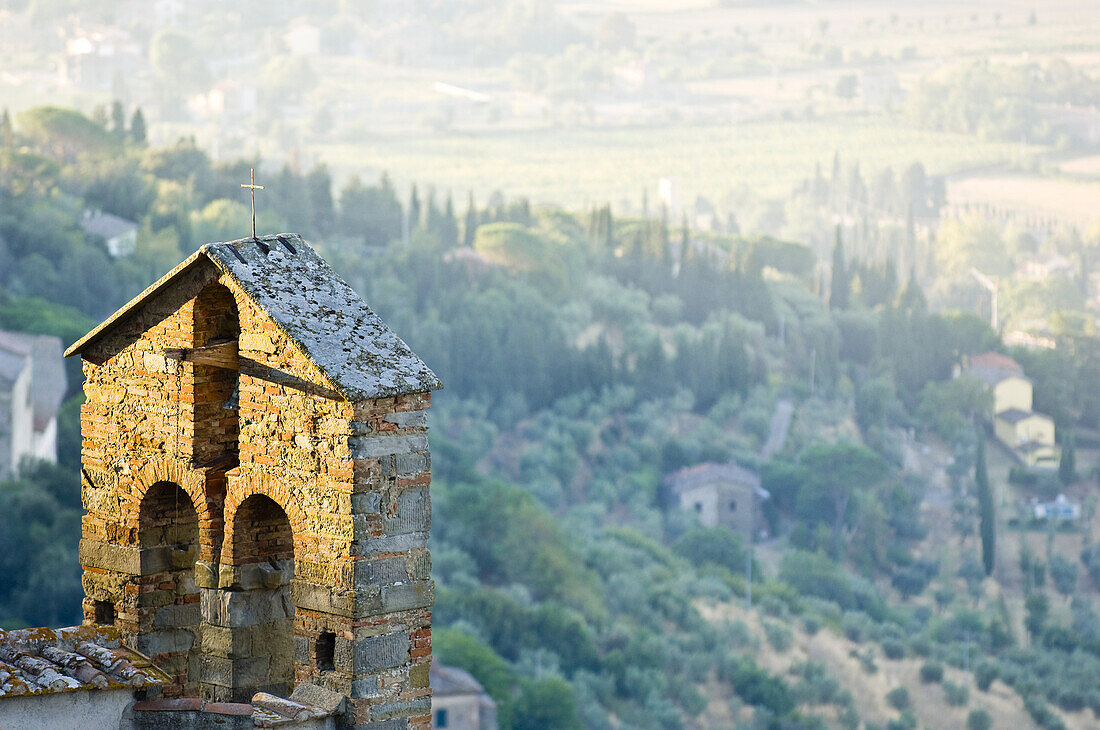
255, 479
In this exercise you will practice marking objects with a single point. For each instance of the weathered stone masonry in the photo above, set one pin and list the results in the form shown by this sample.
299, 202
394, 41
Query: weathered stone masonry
256, 484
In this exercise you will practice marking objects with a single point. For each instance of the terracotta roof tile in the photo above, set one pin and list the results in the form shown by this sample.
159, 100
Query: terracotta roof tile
44, 661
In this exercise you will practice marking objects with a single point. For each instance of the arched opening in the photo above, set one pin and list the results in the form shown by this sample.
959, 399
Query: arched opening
263, 565
169, 614
217, 329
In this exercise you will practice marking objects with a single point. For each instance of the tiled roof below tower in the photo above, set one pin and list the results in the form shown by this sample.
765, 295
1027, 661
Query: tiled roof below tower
47, 661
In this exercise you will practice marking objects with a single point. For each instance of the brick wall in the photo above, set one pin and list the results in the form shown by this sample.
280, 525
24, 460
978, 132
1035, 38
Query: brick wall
339, 548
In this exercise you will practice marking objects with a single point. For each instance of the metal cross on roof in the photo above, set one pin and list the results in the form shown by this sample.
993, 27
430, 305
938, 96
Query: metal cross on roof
253, 187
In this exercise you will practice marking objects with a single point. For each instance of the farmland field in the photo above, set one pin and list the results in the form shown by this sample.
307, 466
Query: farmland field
571, 166
1077, 203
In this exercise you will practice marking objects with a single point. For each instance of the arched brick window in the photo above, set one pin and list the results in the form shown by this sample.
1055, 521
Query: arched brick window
168, 534
261, 613
216, 323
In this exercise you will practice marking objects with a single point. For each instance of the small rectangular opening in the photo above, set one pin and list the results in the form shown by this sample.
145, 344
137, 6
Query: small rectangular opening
104, 613
326, 651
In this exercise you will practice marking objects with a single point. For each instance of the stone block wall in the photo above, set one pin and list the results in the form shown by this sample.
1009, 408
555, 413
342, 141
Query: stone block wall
342, 556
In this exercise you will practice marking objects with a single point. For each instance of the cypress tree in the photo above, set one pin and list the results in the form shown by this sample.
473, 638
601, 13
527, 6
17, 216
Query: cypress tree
912, 298
838, 289
986, 514
6, 134
1067, 465
448, 227
470, 227
414, 209
118, 119
137, 127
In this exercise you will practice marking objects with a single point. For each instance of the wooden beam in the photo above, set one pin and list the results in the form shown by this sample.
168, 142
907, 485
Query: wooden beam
219, 355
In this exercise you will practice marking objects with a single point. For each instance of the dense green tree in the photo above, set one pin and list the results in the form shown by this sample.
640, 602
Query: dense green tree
987, 516
7, 135
543, 704
835, 474
840, 281
370, 214
455, 648
713, 545
469, 228
118, 120
63, 133
1036, 610
138, 132
1067, 465
448, 225
414, 208
912, 297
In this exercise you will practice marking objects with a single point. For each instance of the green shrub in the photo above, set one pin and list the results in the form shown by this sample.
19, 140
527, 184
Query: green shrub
811, 624
979, 719
956, 695
866, 659
758, 687
713, 545
898, 698
1041, 713
920, 645
773, 606
907, 721
738, 635
893, 649
931, 672
817, 685
984, 674
778, 635
856, 625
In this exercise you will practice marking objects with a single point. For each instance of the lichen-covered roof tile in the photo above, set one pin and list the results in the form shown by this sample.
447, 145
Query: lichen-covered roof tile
323, 316
44, 661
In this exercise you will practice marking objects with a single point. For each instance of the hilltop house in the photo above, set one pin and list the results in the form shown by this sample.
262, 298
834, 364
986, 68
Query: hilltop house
459, 702
721, 495
1028, 435
255, 480
119, 234
32, 385
94, 58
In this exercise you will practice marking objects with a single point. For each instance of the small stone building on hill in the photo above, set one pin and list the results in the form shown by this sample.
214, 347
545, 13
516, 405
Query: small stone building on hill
721, 495
32, 386
255, 479
459, 702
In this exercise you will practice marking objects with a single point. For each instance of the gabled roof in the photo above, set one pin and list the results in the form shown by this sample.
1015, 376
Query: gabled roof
709, 473
996, 361
993, 367
1013, 415
14, 356
452, 681
48, 379
106, 225
320, 313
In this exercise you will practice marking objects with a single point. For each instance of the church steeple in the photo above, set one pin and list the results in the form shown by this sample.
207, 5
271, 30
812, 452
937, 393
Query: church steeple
256, 480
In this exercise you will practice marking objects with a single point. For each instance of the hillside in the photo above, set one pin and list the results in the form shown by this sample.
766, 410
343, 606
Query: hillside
586, 356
